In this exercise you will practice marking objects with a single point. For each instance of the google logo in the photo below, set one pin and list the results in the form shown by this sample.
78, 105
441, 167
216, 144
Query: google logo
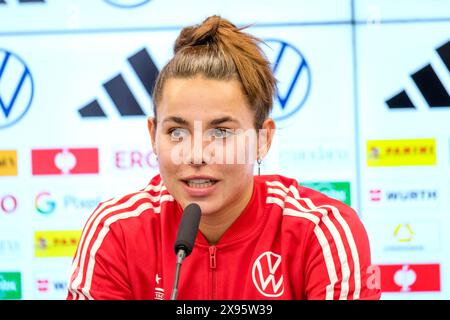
44, 203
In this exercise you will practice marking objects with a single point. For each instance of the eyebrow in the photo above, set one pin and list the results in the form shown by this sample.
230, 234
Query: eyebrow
218, 121
214, 122
178, 120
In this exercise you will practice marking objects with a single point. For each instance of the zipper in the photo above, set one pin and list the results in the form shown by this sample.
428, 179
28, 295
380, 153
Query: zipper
212, 271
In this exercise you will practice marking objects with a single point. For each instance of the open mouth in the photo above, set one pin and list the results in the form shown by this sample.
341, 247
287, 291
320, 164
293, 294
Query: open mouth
200, 183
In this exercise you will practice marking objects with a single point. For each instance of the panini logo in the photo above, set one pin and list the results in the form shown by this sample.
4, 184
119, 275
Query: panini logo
8, 163
56, 243
412, 152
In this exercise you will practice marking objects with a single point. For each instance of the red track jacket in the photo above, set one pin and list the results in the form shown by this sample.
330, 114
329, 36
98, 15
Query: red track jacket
290, 242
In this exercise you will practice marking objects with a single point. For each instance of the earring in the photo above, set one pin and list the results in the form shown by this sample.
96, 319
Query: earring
259, 166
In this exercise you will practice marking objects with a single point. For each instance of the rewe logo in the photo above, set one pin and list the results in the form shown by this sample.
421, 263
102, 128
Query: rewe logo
430, 86
16, 88
267, 274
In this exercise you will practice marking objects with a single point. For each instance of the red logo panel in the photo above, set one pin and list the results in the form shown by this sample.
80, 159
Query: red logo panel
410, 278
65, 161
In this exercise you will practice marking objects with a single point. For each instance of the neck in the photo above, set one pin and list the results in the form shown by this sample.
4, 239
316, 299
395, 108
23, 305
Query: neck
214, 225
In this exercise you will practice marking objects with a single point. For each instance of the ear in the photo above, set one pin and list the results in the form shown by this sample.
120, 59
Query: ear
265, 137
151, 124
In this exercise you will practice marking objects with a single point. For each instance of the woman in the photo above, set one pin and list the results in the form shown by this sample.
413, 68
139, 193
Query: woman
261, 237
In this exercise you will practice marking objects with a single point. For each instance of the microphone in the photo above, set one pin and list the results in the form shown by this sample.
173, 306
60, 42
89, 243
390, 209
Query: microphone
184, 244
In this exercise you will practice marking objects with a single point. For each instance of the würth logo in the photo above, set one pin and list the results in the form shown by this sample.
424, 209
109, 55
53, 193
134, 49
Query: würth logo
65, 161
267, 274
375, 195
430, 86
121, 94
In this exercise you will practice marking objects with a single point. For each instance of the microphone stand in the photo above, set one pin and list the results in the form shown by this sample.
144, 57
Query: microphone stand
184, 244
181, 254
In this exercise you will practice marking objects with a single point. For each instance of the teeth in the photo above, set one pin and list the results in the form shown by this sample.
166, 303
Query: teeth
200, 180
200, 183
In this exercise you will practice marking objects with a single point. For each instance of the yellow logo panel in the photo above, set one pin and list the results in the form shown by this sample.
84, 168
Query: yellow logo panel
8, 163
411, 152
56, 243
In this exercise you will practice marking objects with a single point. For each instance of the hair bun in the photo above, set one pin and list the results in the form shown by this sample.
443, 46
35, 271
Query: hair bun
204, 33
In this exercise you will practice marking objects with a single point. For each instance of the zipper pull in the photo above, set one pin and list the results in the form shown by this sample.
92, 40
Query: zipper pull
212, 257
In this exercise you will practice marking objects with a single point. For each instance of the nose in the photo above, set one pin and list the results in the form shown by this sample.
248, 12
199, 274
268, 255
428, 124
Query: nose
197, 146
196, 156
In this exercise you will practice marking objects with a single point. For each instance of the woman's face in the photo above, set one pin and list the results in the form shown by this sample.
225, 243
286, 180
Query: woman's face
204, 143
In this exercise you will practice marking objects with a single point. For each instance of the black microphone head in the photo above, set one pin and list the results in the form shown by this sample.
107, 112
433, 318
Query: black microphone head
188, 228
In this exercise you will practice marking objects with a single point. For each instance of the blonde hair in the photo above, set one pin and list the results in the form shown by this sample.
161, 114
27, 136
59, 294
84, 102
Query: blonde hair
217, 49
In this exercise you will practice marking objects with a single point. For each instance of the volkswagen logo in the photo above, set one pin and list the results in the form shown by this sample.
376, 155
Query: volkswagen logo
267, 274
127, 3
16, 88
294, 77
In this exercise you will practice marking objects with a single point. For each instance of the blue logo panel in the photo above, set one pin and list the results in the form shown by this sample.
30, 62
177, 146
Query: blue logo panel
292, 70
127, 3
16, 88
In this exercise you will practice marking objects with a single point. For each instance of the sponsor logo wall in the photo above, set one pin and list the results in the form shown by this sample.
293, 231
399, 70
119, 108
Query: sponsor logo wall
361, 117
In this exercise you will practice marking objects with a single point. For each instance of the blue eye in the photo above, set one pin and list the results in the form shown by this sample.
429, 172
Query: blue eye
220, 133
178, 133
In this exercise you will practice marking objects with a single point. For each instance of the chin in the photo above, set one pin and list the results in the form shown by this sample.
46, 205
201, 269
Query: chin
205, 204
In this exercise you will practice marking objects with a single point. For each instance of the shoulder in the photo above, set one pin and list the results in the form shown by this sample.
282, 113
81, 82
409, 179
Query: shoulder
147, 202
303, 205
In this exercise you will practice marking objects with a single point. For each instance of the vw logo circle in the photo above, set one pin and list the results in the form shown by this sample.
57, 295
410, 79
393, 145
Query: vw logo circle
127, 3
294, 77
16, 88
267, 274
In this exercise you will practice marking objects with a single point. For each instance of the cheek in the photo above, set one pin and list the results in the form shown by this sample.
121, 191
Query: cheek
164, 150
236, 180
242, 149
